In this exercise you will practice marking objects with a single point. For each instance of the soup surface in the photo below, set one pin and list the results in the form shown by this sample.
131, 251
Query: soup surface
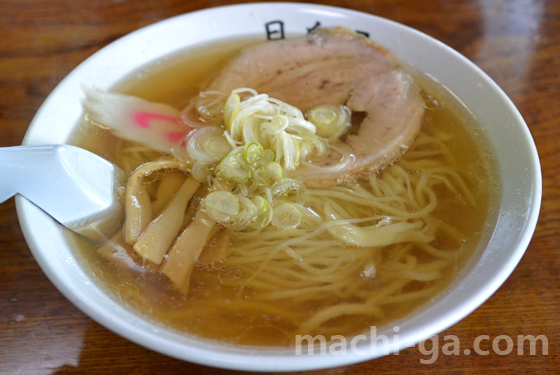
272, 285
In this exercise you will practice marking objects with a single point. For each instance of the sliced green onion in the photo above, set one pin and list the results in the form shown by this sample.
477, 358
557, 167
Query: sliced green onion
234, 166
223, 201
218, 146
201, 171
272, 124
274, 172
288, 187
219, 216
247, 214
230, 109
263, 219
297, 152
261, 204
268, 156
200, 144
323, 115
331, 121
286, 216
279, 123
253, 153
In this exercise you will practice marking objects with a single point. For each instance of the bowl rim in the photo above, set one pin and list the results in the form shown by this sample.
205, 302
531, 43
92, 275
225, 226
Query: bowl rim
223, 356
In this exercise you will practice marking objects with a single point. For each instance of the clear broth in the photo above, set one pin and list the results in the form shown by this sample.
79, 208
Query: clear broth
174, 81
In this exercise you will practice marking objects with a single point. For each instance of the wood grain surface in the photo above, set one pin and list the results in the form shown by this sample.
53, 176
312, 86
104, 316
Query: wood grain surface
517, 42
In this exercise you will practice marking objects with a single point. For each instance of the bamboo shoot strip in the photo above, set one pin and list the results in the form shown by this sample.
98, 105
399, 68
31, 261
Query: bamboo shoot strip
159, 235
216, 248
118, 252
194, 205
168, 186
138, 206
184, 288
180, 260
138, 212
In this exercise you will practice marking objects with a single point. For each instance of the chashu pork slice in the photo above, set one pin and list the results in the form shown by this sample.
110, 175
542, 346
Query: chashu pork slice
336, 66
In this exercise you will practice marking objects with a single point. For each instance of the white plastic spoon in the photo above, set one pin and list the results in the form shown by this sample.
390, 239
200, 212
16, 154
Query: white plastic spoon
74, 186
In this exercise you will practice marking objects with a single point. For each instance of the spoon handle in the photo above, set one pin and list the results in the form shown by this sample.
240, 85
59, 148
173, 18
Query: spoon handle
22, 168
74, 186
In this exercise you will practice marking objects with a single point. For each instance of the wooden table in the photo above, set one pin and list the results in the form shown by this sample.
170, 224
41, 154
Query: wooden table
516, 42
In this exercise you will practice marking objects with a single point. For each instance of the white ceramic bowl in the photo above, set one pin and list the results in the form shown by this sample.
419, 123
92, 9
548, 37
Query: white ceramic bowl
514, 149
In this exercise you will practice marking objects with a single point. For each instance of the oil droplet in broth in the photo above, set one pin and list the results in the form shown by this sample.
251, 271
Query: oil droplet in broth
129, 292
